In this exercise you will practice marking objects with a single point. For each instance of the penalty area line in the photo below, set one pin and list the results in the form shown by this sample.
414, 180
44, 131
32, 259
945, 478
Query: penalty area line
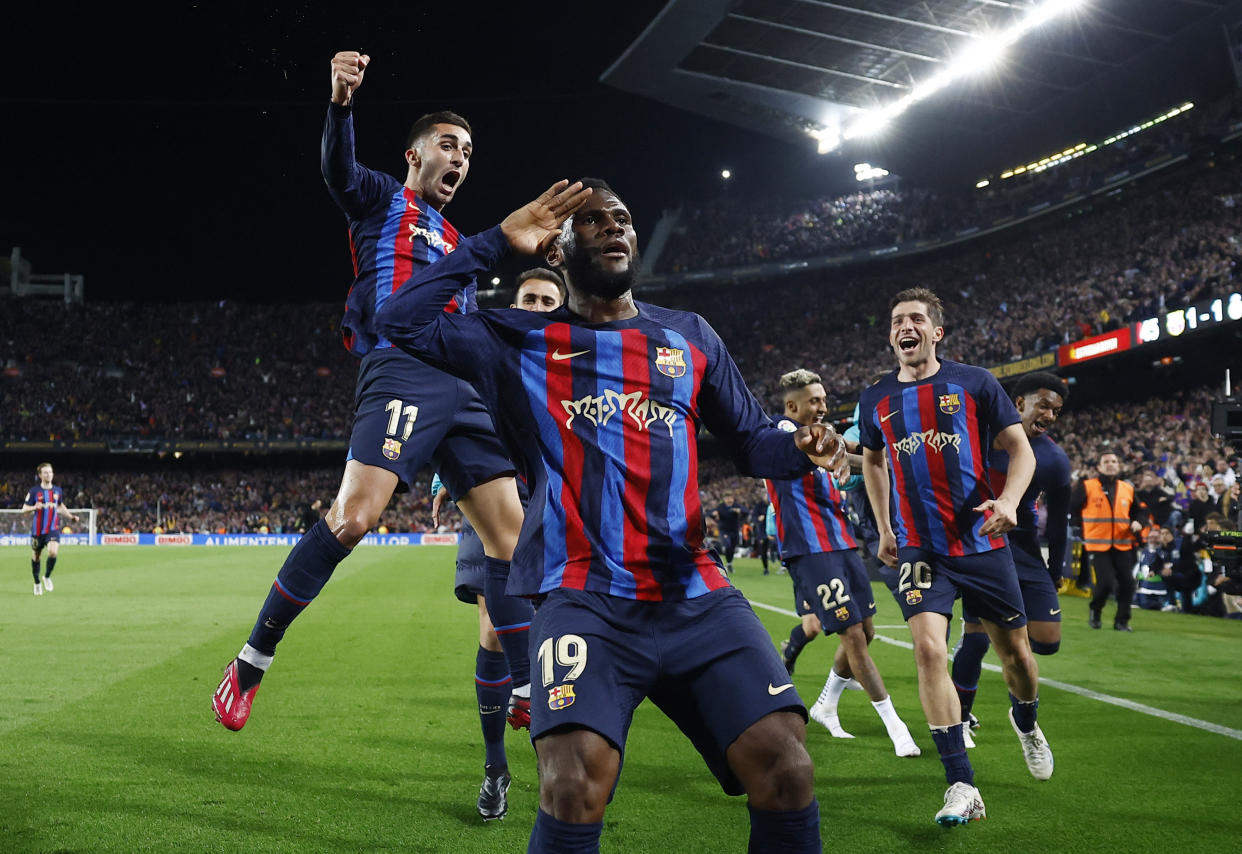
1141, 708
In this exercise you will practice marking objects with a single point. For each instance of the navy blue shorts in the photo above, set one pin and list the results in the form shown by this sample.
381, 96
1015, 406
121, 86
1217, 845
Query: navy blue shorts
38, 542
986, 582
1039, 594
707, 663
468, 580
836, 586
802, 605
407, 413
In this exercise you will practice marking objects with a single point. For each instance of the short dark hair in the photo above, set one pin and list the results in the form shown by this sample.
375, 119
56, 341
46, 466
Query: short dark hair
598, 184
427, 122
935, 309
1104, 452
1041, 379
539, 273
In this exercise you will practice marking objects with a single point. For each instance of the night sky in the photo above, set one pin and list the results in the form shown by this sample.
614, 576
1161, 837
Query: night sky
171, 151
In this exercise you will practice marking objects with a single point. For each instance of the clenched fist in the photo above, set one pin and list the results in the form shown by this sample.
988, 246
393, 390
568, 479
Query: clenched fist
348, 66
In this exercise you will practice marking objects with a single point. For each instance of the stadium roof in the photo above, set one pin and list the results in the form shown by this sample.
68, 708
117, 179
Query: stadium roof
793, 67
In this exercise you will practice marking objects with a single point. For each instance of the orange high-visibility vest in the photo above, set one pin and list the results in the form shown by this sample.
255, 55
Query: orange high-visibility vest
1107, 527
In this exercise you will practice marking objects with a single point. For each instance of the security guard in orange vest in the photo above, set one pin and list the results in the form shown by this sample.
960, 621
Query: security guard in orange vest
1111, 516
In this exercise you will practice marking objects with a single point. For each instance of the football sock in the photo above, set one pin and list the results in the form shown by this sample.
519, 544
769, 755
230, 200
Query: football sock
952, 748
34, 568
797, 640
307, 569
51, 564
1024, 713
967, 665
833, 689
491, 687
884, 708
794, 832
249, 675
552, 836
511, 616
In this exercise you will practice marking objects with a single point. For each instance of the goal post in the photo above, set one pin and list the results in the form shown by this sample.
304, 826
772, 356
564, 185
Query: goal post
15, 527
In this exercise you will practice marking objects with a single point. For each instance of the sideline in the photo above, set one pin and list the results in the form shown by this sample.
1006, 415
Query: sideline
1207, 726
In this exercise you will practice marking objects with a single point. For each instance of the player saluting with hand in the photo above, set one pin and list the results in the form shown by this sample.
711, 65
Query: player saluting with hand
600, 402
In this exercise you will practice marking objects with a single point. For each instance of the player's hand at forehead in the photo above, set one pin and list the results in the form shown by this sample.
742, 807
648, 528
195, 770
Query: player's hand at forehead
821, 443
348, 66
533, 226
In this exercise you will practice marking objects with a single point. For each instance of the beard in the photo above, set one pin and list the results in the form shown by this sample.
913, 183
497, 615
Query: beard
588, 276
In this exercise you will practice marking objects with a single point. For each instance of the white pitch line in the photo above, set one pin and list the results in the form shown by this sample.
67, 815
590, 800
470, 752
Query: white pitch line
1142, 708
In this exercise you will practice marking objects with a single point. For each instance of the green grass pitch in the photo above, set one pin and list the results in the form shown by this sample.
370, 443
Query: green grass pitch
365, 735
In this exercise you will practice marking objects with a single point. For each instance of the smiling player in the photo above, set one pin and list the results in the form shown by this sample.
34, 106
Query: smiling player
934, 422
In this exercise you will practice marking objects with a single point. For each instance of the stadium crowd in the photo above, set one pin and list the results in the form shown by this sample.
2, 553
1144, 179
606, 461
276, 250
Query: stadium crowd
734, 232
129, 373
224, 371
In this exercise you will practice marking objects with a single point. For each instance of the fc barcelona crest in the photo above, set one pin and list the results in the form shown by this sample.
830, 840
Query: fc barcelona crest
950, 403
560, 697
914, 597
669, 362
391, 449
842, 614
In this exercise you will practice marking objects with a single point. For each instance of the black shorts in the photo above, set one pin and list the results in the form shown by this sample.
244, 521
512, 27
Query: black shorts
407, 414
38, 542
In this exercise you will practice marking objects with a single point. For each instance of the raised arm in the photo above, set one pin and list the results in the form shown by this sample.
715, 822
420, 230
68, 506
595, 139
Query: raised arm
413, 319
354, 187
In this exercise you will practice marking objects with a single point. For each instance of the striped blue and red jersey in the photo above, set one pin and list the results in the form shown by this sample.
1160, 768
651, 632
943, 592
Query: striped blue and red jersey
810, 512
602, 420
1052, 480
392, 233
937, 434
46, 518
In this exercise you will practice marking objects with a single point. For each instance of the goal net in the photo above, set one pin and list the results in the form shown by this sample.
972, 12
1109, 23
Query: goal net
15, 527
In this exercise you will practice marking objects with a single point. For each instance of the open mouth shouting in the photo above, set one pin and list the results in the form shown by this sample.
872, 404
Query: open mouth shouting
449, 181
908, 344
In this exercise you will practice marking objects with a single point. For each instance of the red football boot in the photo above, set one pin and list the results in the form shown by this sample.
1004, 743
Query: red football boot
231, 706
518, 715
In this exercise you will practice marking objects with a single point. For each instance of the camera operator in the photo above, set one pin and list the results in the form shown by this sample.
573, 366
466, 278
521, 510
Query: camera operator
1110, 514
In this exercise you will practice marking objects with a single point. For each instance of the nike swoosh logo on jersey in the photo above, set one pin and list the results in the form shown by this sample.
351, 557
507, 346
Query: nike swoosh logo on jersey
558, 356
1052, 612
773, 690
1011, 619
871, 605
884, 418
